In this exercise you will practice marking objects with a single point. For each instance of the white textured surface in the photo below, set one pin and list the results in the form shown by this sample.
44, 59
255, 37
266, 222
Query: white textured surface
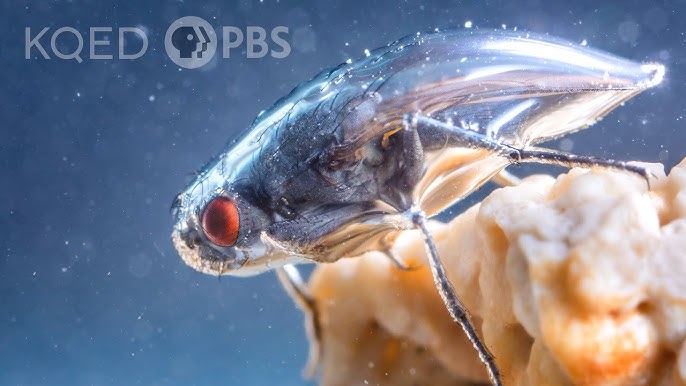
579, 280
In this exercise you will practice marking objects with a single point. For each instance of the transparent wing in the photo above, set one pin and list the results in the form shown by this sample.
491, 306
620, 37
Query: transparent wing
519, 88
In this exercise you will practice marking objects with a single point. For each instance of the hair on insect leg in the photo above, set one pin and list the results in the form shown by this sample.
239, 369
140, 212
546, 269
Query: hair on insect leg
452, 302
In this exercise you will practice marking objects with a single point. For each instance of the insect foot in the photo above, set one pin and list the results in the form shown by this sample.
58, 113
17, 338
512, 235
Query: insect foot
570, 281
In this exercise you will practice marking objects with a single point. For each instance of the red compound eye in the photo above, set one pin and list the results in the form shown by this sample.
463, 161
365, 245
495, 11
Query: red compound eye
220, 222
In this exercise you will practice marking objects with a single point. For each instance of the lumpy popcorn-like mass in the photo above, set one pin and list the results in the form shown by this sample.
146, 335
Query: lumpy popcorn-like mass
579, 280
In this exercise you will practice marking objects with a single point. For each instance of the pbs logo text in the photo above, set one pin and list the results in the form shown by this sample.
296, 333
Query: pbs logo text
191, 42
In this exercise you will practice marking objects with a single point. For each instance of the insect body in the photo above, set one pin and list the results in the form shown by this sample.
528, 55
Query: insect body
377, 145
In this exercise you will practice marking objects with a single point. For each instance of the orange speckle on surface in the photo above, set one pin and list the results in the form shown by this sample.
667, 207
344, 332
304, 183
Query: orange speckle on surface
390, 353
574, 282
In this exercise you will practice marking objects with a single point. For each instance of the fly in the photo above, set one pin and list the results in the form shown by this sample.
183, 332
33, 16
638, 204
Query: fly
375, 146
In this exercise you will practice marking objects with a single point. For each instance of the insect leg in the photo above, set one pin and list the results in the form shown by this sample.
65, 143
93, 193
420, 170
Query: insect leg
569, 160
413, 154
452, 302
292, 282
399, 264
413, 123
528, 154
458, 135
387, 249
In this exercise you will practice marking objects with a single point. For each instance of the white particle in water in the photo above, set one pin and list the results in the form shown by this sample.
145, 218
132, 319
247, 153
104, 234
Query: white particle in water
468, 24
629, 31
366, 52
662, 155
566, 144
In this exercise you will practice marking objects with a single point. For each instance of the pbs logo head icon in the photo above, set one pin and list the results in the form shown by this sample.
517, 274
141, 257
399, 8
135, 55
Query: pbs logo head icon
190, 42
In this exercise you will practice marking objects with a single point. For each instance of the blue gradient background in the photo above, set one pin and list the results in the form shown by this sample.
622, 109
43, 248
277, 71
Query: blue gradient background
91, 290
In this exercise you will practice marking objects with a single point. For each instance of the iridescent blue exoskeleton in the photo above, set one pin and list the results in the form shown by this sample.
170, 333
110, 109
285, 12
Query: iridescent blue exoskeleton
377, 145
